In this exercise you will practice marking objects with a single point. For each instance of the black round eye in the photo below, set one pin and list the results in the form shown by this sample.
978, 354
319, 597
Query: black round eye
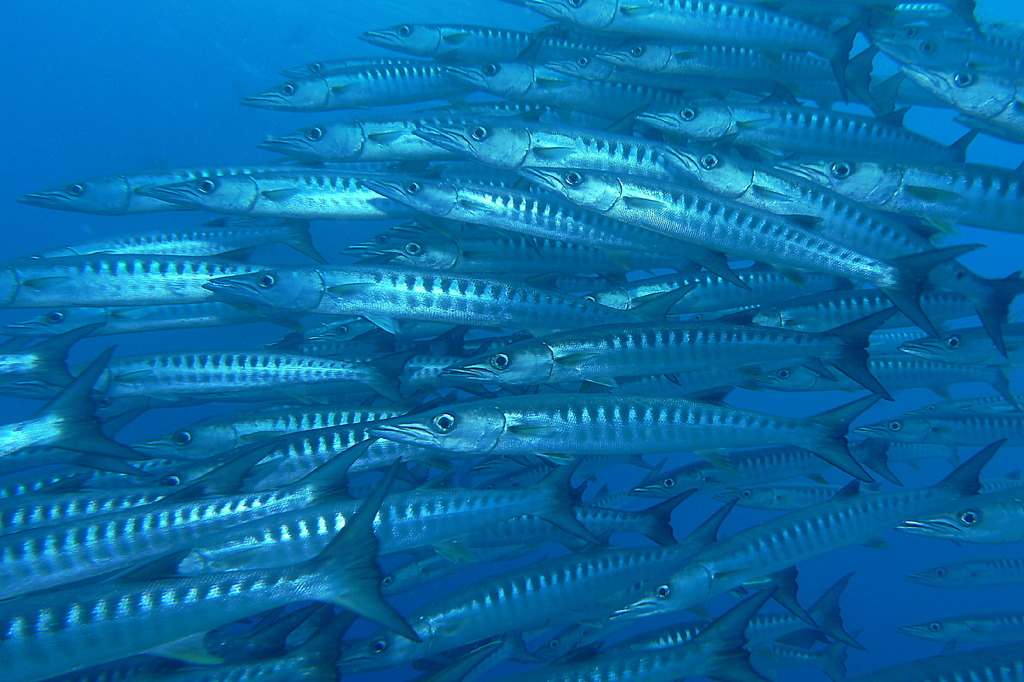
572, 178
636, 51
935, 627
316, 67
413, 187
688, 114
841, 170
746, 494
266, 281
576, 3
953, 342
171, 481
662, 592
181, 438
381, 239
76, 190
404, 31
479, 133
669, 483
387, 580
709, 161
910, 31
491, 69
895, 425
379, 647
591, 298
554, 644
927, 47
413, 249
783, 374
444, 422
970, 517
206, 186
341, 330
582, 61
963, 79
54, 316
315, 134
940, 572
288, 89
499, 361
697, 317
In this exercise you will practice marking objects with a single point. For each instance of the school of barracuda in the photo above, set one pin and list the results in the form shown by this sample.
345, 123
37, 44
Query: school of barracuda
621, 224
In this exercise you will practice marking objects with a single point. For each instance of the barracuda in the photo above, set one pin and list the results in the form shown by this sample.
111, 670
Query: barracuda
996, 663
464, 43
211, 239
95, 281
780, 543
579, 425
216, 435
970, 346
98, 623
539, 216
538, 596
711, 293
23, 512
1005, 570
132, 319
600, 353
783, 129
323, 66
949, 428
722, 225
538, 84
305, 194
387, 295
515, 145
362, 86
216, 373
976, 628
118, 194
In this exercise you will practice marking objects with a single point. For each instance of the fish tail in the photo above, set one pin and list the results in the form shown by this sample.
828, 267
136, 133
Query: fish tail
831, 445
730, 660
852, 358
913, 275
827, 614
300, 240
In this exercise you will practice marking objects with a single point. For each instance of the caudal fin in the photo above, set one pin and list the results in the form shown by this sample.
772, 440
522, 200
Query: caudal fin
852, 355
913, 275
831, 445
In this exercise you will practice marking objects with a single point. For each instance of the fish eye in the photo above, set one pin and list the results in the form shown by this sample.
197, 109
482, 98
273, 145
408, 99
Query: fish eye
910, 31
499, 361
413, 249
288, 89
444, 422
953, 342
895, 425
709, 161
783, 374
379, 647
697, 317
315, 134
266, 281
662, 592
181, 438
387, 580
669, 483
103, 402
927, 47
582, 61
404, 31
554, 643
940, 572
841, 170
315, 67
576, 3
171, 481
970, 517
573, 179
381, 239
746, 494
935, 627
491, 70
76, 190
413, 187
688, 114
963, 79
206, 186
591, 298
479, 133
636, 51
54, 316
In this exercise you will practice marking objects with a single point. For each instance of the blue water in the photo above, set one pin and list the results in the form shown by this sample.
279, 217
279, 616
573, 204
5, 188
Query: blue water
94, 88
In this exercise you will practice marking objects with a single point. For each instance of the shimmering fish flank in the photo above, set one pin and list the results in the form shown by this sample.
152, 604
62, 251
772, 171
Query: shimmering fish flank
613, 309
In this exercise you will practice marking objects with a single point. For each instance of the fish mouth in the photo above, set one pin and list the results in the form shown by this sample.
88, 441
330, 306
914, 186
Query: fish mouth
639, 609
872, 431
803, 172
387, 189
409, 432
231, 288
924, 77
545, 178
545, 8
613, 57
683, 160
470, 372
656, 120
178, 193
381, 37
931, 528
913, 630
266, 100
445, 139
466, 75
51, 199
727, 496
286, 144
918, 348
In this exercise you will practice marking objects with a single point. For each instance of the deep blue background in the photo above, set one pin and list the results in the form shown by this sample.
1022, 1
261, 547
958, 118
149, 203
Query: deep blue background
94, 88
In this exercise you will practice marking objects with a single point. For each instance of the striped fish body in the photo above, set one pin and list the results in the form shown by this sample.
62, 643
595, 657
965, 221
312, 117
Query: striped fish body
995, 663
132, 319
977, 628
21, 512
94, 281
949, 428
1006, 570
827, 310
